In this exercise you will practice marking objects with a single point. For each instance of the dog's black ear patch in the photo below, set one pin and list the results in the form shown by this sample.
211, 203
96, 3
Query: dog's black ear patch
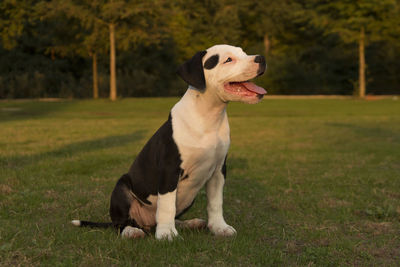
211, 62
192, 71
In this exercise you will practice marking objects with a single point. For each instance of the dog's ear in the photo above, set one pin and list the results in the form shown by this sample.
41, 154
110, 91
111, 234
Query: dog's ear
192, 71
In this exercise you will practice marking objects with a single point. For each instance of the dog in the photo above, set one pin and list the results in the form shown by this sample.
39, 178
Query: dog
188, 151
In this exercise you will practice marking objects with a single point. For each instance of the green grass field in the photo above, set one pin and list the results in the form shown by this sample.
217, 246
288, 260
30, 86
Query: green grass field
310, 182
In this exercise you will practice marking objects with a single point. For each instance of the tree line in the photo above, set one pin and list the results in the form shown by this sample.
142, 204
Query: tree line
111, 48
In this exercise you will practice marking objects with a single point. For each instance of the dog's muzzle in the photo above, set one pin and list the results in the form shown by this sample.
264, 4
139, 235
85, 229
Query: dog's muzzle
262, 65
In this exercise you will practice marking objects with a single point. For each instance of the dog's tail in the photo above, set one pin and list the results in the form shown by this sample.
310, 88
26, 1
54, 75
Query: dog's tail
80, 223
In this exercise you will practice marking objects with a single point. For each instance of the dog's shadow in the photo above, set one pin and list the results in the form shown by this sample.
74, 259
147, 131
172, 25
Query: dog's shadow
73, 149
236, 163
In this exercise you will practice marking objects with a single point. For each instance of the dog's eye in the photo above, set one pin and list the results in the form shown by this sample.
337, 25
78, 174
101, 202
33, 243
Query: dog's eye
228, 60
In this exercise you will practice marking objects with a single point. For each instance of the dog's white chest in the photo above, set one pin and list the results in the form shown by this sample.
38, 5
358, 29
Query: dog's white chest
199, 165
200, 161
202, 154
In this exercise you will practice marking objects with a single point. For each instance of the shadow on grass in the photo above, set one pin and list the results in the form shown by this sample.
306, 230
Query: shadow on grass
237, 163
73, 149
31, 109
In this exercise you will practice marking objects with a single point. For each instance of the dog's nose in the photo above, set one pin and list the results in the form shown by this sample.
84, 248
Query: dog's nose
260, 60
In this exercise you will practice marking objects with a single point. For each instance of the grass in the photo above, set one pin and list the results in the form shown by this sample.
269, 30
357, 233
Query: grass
310, 182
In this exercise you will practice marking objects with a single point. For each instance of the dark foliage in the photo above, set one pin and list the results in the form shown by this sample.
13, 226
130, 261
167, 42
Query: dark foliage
48, 54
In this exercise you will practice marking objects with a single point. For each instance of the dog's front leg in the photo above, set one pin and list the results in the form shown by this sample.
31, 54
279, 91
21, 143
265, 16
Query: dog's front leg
165, 216
216, 222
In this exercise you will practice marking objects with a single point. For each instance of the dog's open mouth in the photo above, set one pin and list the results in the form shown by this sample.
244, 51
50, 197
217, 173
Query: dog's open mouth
247, 89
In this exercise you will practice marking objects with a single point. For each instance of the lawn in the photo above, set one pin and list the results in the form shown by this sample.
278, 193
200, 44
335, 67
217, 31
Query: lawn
310, 182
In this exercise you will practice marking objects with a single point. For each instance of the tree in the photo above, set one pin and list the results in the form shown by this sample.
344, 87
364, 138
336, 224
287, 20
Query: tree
208, 22
293, 46
132, 15
48, 47
77, 33
356, 21
13, 17
115, 16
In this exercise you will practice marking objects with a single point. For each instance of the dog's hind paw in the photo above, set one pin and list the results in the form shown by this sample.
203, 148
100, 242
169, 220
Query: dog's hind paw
166, 232
132, 232
222, 229
192, 224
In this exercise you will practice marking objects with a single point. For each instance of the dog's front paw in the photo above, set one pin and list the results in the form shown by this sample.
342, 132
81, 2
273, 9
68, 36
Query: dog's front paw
221, 229
166, 231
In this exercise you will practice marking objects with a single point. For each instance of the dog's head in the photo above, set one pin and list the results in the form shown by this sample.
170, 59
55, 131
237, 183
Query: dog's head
226, 70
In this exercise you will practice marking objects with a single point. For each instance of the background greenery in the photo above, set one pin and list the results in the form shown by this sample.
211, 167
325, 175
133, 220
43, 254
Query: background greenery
47, 47
310, 183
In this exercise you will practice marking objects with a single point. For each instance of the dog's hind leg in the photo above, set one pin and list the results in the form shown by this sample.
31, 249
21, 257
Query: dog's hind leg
191, 224
119, 210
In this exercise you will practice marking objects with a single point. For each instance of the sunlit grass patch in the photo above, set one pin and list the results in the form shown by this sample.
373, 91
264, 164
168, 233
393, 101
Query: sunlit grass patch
309, 182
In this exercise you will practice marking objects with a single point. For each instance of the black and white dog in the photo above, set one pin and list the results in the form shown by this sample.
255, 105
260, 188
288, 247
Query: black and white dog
188, 151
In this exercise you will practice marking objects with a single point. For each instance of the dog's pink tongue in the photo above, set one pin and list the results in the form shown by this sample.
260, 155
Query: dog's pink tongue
254, 88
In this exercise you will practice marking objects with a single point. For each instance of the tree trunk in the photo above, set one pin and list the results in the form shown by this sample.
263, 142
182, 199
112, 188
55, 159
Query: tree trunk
113, 78
53, 54
95, 77
361, 78
267, 43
